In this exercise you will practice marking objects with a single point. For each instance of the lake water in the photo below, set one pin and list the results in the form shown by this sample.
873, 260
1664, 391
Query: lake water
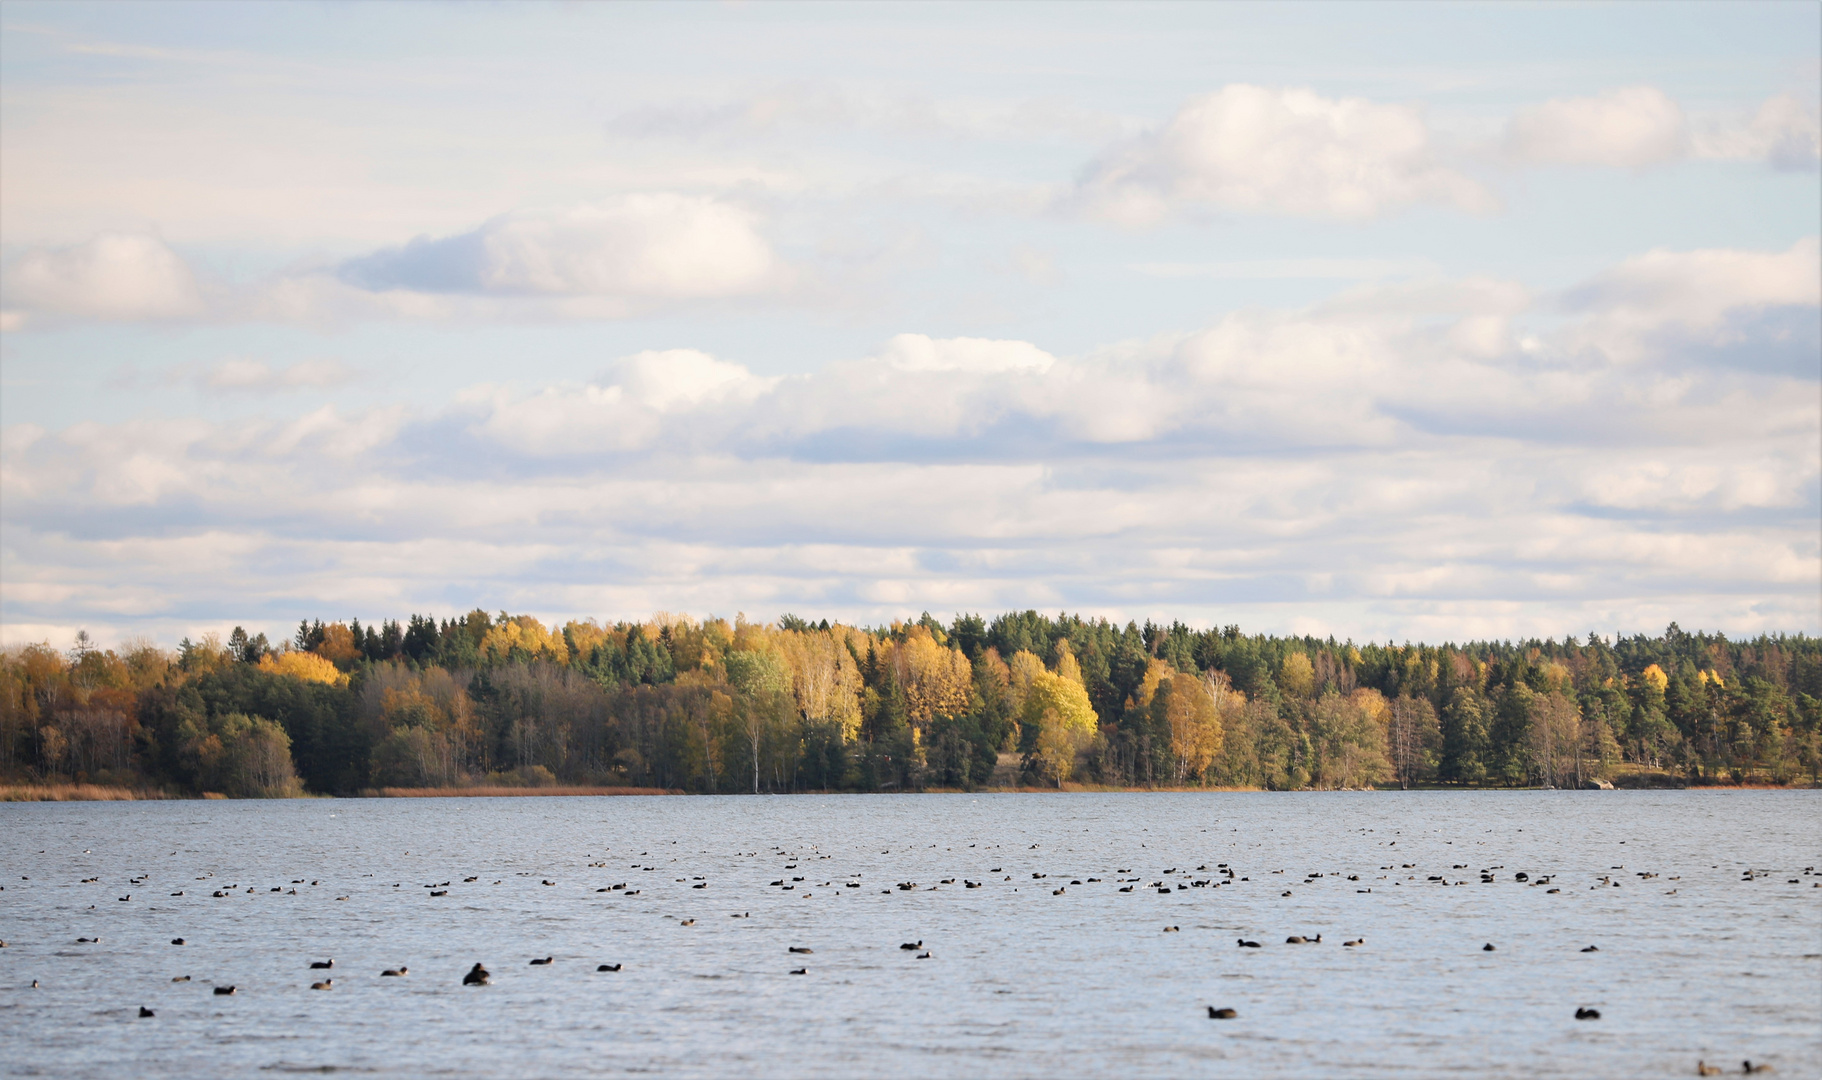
1693, 963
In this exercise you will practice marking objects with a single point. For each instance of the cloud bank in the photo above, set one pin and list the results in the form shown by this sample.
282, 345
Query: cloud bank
1411, 456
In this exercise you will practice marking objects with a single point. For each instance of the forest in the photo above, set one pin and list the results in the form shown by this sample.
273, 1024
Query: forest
1023, 699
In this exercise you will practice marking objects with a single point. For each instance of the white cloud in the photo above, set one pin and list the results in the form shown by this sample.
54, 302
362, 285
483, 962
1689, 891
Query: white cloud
1785, 133
112, 276
1278, 151
1692, 292
1637, 127
1629, 128
646, 247
916, 352
626, 410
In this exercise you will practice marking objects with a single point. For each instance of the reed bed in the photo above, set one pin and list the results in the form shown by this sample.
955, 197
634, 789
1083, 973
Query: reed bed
74, 793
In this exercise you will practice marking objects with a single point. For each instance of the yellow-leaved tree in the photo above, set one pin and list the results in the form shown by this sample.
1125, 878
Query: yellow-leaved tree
1184, 705
824, 679
1060, 710
1297, 676
523, 637
338, 645
303, 666
1022, 669
935, 679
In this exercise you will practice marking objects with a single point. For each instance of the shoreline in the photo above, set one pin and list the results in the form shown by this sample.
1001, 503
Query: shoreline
105, 793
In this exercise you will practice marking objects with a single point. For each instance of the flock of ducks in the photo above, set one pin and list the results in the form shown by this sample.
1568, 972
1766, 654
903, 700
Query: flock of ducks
1220, 875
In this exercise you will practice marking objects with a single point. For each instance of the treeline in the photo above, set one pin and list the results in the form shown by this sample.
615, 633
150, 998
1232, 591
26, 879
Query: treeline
711, 706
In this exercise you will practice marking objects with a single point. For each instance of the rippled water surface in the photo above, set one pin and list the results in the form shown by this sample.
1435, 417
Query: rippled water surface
1026, 975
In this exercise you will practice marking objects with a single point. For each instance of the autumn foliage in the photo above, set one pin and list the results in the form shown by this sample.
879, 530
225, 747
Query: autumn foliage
503, 702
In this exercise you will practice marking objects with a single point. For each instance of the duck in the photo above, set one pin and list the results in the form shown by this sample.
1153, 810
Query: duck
800, 949
222, 991
1591, 948
1587, 1014
177, 941
913, 946
180, 978
477, 976
1702, 1068
1749, 1068
1488, 947
1245, 944
608, 967
800, 971
326, 984
321, 965
543, 962
145, 1013
395, 972
1351, 944
1222, 1014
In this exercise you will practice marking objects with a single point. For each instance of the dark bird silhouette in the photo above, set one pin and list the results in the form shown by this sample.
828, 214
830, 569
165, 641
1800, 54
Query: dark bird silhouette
1222, 1014
326, 984
477, 976
1587, 1014
395, 972
1749, 1067
913, 946
177, 941
1591, 949
223, 991
180, 978
608, 967
1356, 941
800, 971
800, 949
1488, 947
321, 965
1245, 944
541, 963
145, 1013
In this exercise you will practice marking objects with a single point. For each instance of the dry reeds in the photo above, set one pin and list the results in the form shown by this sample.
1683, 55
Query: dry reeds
73, 793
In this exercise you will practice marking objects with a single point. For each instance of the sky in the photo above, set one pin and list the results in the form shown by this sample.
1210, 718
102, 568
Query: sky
1382, 321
